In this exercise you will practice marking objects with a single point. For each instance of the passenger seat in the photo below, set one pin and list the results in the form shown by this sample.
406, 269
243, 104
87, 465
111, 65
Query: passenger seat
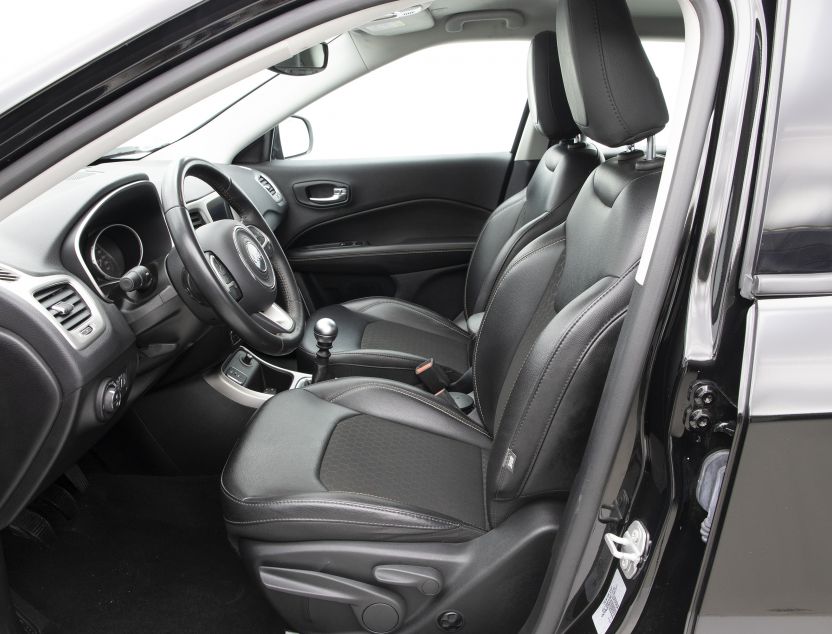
388, 337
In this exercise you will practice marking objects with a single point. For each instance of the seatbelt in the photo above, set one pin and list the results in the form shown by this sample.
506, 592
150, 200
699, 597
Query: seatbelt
504, 191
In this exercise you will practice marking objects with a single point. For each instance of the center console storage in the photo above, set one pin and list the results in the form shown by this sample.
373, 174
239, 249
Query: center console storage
250, 380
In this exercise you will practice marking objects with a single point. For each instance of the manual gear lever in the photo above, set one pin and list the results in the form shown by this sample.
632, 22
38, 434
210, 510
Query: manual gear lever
325, 332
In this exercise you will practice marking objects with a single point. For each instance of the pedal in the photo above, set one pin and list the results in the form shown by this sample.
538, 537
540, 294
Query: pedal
31, 620
77, 478
58, 498
32, 526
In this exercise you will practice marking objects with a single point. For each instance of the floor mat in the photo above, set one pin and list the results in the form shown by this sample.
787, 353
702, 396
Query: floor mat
144, 554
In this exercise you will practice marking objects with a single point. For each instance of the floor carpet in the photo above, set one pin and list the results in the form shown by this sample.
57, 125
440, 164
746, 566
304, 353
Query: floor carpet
144, 554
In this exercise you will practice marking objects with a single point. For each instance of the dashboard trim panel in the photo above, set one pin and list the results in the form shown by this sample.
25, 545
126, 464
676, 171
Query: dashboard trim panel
25, 287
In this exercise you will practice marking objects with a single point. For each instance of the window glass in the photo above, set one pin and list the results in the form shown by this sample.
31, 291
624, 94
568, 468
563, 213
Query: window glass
460, 98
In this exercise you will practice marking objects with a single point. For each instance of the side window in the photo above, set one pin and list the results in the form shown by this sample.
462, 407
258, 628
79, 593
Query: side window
460, 98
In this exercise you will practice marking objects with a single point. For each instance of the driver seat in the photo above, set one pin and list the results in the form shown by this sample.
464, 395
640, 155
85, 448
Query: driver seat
388, 337
365, 503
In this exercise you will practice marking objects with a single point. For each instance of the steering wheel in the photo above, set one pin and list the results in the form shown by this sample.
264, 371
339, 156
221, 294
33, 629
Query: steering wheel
238, 267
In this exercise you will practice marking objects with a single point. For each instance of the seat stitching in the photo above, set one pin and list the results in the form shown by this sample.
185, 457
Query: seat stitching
356, 505
561, 339
565, 386
366, 352
604, 74
495, 214
561, 266
435, 406
404, 305
510, 268
336, 521
501, 209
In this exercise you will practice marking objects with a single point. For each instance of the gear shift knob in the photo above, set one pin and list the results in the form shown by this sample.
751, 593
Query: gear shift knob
325, 332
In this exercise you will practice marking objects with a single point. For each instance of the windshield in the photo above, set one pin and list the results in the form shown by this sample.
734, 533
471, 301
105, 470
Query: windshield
184, 123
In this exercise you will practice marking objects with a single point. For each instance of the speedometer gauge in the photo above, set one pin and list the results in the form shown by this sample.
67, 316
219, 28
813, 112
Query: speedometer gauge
115, 250
106, 262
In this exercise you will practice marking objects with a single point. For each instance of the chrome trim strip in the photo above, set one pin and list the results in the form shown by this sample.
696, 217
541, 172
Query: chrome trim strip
279, 317
758, 204
791, 361
87, 217
95, 242
244, 396
793, 284
713, 266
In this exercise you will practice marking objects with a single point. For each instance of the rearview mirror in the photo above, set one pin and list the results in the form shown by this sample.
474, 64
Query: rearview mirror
312, 60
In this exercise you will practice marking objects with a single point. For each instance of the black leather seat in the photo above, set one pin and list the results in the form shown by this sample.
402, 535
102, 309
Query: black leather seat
382, 336
332, 481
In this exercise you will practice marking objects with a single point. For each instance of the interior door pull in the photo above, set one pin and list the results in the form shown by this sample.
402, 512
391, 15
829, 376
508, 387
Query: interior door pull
339, 194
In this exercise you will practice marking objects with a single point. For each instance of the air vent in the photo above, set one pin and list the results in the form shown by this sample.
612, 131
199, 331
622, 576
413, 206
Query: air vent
7, 276
269, 187
197, 220
64, 303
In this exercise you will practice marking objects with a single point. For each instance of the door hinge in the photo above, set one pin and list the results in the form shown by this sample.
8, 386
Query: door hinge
709, 409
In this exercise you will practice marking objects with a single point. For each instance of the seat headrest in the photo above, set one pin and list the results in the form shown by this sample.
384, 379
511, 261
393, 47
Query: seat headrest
548, 106
612, 89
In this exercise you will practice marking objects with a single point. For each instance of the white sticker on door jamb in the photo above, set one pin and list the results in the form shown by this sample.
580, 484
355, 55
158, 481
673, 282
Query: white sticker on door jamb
605, 613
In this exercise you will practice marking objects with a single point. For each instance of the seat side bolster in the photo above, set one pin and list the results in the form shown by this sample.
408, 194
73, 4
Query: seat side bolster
402, 404
514, 301
552, 401
405, 313
318, 516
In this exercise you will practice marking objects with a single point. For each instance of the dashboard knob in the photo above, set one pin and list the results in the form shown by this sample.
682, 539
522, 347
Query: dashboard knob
136, 279
110, 399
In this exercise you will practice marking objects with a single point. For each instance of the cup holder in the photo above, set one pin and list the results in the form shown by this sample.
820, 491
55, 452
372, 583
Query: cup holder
250, 380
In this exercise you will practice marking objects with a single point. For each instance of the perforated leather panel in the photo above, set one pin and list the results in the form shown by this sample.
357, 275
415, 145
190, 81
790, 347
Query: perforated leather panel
373, 456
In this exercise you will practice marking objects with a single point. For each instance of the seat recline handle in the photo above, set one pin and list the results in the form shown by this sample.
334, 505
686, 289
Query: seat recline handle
425, 579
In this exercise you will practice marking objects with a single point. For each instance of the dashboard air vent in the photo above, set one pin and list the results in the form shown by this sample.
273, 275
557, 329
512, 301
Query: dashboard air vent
7, 276
269, 187
64, 303
197, 220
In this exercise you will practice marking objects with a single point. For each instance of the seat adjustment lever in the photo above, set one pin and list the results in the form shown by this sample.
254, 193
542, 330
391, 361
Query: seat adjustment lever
426, 580
377, 610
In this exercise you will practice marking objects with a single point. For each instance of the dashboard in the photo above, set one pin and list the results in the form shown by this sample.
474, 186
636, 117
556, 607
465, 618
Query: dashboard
78, 340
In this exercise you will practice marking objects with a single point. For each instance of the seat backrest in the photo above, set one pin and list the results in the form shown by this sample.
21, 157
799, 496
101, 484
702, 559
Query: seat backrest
546, 201
550, 328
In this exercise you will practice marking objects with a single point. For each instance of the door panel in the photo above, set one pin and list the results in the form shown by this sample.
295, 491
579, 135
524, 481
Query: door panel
395, 227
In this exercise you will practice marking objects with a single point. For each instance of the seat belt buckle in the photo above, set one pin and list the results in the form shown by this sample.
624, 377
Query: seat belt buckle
432, 376
447, 398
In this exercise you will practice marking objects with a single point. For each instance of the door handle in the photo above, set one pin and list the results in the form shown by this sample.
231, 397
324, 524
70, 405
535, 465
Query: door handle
339, 194
322, 194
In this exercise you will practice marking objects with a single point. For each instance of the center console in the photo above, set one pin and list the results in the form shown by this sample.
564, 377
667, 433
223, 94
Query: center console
250, 380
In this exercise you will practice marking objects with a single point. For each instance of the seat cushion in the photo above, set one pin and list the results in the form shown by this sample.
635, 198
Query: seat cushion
388, 338
359, 459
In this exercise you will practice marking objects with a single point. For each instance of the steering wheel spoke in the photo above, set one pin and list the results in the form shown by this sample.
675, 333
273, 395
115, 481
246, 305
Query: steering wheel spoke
262, 239
275, 315
224, 276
